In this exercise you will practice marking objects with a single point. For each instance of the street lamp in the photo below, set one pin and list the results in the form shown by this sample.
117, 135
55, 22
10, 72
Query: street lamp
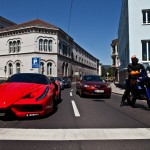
107, 75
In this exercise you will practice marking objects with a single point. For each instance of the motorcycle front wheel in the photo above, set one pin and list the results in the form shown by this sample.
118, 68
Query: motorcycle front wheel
131, 100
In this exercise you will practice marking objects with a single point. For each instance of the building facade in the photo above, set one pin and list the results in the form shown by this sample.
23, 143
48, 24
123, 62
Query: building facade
134, 33
58, 53
115, 60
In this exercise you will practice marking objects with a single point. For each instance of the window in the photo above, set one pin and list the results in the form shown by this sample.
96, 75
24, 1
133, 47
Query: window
42, 68
59, 46
40, 44
64, 50
50, 45
45, 44
146, 50
76, 57
10, 47
49, 69
10, 69
149, 50
17, 67
14, 46
18, 46
69, 51
146, 16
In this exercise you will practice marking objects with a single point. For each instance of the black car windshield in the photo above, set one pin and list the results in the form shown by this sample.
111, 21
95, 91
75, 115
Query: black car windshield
29, 78
93, 78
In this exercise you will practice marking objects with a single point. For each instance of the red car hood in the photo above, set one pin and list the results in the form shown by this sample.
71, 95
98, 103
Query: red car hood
12, 92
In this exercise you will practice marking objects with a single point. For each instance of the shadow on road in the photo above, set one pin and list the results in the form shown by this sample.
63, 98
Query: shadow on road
9, 116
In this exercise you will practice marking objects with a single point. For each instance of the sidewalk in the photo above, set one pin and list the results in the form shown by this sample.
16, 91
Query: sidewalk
117, 90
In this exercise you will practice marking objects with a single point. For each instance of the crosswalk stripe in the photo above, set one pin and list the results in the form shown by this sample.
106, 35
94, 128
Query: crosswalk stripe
74, 134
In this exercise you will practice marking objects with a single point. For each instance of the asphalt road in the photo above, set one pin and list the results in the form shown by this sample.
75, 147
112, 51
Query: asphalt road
81, 124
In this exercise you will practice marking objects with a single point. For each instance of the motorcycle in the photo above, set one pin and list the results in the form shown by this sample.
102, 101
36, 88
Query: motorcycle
139, 89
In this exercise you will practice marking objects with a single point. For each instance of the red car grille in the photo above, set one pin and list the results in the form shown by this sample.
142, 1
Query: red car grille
29, 108
3, 110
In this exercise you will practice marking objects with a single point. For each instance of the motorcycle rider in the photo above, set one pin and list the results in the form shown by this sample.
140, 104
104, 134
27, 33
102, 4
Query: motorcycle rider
133, 66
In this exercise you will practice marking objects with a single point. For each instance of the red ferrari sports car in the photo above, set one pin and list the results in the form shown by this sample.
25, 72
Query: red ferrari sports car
28, 94
93, 85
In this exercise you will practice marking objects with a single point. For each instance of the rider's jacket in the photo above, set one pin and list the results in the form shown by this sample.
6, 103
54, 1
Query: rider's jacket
136, 67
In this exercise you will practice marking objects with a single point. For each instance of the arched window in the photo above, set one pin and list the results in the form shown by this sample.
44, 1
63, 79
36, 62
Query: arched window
66, 70
76, 57
14, 46
42, 68
45, 45
40, 45
49, 69
10, 47
18, 67
10, 69
18, 46
50, 45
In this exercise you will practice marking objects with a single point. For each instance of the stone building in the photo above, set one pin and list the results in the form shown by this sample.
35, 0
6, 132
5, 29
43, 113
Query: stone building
58, 53
115, 60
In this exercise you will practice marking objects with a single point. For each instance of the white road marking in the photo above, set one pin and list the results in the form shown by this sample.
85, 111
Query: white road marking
75, 109
74, 134
70, 93
71, 90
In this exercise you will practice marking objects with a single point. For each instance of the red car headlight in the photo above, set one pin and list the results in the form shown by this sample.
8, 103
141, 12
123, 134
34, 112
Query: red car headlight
43, 94
86, 86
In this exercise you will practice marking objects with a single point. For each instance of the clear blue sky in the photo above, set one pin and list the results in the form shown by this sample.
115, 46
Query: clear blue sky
93, 24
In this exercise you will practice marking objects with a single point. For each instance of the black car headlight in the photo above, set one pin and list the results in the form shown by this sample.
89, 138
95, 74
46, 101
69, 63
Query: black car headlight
43, 95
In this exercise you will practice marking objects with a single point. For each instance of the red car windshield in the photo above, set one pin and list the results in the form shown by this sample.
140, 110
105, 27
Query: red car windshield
93, 78
29, 78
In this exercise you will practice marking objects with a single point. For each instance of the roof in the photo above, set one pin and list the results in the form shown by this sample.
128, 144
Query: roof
35, 23
6, 20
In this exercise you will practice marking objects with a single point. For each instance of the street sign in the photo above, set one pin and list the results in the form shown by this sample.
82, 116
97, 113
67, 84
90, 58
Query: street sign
36, 62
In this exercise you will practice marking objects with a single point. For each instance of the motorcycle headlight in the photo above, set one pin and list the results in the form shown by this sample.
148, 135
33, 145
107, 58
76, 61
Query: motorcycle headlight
43, 95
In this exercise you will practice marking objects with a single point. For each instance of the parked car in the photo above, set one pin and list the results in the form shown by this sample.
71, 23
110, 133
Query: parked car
27, 95
60, 81
57, 87
67, 82
93, 85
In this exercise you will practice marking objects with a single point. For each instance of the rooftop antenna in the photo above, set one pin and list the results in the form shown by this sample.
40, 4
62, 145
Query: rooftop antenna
37, 14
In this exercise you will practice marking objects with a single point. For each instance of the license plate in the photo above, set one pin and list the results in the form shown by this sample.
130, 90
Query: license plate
99, 91
2, 114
